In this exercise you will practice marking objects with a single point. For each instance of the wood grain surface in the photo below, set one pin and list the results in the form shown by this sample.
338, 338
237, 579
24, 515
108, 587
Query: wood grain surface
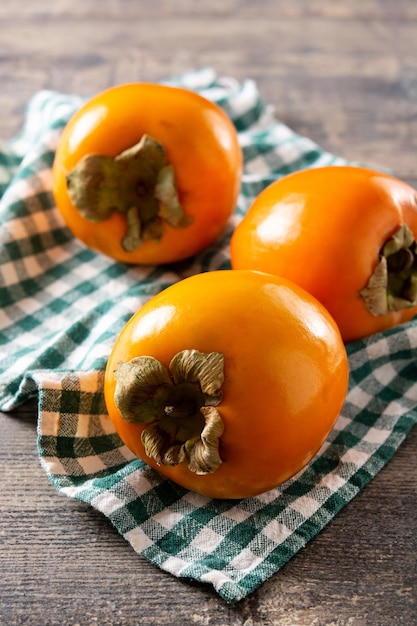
342, 73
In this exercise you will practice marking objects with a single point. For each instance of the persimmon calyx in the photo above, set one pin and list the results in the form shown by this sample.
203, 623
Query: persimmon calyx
178, 404
138, 183
393, 284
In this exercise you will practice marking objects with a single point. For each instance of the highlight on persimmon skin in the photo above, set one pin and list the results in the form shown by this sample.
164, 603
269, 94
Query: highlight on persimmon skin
227, 382
147, 173
345, 234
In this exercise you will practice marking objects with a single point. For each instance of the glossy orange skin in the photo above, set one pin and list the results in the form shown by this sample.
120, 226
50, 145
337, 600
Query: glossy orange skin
286, 373
323, 229
200, 142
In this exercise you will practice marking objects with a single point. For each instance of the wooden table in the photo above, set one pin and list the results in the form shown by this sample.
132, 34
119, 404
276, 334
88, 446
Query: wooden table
344, 74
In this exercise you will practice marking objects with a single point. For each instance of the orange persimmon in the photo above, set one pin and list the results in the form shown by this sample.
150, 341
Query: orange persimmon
347, 235
147, 173
227, 382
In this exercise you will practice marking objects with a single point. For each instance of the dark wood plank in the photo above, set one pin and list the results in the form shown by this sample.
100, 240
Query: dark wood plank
234, 9
343, 74
347, 81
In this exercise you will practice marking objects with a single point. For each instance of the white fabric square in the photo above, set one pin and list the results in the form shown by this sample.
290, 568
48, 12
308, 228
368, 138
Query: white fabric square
174, 565
376, 435
359, 397
71, 492
237, 514
216, 578
107, 428
333, 482
246, 561
377, 348
195, 500
138, 539
290, 151
385, 374
126, 453
207, 540
57, 289
342, 422
168, 519
138, 482
276, 531
50, 422
9, 277
90, 382
52, 466
356, 457
107, 503
306, 506
411, 393
256, 165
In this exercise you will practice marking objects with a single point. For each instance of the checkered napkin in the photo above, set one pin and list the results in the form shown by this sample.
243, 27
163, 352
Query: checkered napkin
62, 306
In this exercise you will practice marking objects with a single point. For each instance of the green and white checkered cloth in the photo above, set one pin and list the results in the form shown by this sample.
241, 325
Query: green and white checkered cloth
62, 307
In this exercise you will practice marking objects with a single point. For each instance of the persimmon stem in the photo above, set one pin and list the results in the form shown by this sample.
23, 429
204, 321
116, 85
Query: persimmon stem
139, 183
178, 406
393, 284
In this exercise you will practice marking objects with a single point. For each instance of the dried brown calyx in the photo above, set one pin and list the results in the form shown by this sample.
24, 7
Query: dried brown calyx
177, 404
393, 284
139, 183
